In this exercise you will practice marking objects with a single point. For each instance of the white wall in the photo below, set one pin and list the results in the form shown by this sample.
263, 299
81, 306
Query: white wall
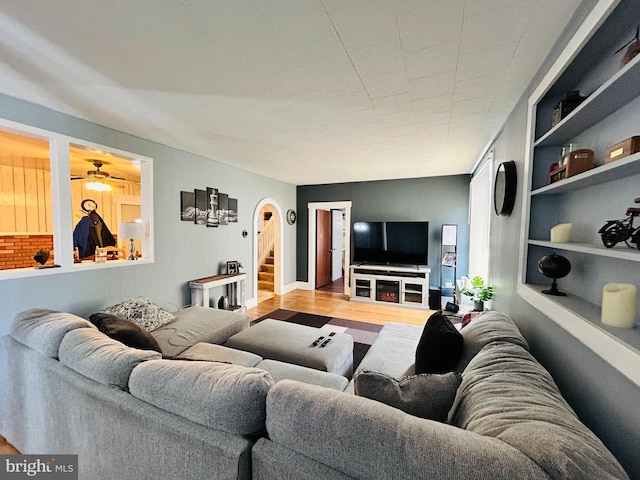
183, 251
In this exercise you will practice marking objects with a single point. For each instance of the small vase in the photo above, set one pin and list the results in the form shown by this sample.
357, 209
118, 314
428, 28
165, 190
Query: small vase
223, 303
478, 306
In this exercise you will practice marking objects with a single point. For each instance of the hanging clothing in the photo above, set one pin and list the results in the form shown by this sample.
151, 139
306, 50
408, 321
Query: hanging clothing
91, 232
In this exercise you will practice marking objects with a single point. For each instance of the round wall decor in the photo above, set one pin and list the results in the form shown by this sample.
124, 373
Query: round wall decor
291, 216
504, 188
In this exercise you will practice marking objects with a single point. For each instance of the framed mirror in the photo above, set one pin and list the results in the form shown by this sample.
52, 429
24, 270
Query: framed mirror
504, 188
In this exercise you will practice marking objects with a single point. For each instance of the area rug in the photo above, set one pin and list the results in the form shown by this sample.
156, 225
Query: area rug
364, 334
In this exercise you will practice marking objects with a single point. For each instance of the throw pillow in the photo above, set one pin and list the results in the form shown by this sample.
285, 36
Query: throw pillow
142, 312
124, 331
440, 346
427, 396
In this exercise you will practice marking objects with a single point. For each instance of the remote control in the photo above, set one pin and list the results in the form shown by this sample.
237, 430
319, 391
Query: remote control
324, 344
317, 341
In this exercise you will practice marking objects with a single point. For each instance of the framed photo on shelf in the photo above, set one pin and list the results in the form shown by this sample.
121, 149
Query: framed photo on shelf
449, 259
232, 267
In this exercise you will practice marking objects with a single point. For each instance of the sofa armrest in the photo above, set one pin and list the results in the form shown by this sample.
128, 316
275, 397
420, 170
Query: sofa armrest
357, 436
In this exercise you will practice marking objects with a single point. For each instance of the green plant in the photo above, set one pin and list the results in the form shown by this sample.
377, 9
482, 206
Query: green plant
479, 291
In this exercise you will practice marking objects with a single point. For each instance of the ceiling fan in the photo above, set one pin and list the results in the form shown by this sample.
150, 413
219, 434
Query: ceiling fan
100, 180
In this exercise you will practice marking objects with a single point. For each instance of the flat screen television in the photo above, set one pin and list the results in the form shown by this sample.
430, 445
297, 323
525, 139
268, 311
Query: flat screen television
393, 243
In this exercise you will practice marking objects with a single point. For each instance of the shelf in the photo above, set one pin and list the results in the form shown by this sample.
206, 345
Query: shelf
620, 347
596, 176
618, 91
620, 251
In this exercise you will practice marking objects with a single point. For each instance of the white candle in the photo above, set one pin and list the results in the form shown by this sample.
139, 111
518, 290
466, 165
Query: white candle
561, 233
619, 305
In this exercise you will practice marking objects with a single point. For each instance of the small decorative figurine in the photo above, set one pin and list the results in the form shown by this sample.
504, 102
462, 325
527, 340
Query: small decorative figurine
623, 230
554, 266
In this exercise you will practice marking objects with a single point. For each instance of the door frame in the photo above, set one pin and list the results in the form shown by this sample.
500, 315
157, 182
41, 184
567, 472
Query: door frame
278, 257
311, 246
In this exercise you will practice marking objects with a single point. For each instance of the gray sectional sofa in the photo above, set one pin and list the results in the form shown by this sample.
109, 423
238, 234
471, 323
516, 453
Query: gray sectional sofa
128, 413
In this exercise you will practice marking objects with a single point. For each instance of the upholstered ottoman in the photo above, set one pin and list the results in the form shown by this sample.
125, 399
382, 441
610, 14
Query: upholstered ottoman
293, 343
210, 352
198, 324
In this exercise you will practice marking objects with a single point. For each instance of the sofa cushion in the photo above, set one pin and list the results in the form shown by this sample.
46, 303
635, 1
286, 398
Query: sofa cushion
198, 324
399, 338
362, 438
425, 396
506, 394
217, 395
142, 312
210, 352
124, 331
440, 346
43, 330
281, 371
100, 358
486, 328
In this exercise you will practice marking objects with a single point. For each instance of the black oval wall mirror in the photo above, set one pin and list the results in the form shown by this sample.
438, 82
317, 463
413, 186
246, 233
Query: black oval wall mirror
504, 188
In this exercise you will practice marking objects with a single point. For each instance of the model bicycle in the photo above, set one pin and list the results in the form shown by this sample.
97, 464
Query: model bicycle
615, 231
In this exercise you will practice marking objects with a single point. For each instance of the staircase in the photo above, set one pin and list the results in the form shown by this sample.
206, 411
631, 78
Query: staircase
266, 273
266, 262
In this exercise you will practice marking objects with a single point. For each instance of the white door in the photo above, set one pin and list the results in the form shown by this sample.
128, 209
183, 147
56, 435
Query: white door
337, 246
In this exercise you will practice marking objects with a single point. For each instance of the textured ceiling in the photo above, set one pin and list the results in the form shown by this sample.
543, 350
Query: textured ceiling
304, 91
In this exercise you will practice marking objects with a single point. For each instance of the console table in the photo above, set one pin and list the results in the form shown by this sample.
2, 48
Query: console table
201, 286
402, 286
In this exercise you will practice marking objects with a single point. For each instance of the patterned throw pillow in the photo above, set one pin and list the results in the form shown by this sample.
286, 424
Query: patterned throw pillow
142, 312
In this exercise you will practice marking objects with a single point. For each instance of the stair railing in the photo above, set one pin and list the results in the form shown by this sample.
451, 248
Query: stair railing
266, 241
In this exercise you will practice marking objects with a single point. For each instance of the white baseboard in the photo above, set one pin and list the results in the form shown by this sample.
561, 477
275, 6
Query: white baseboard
251, 302
302, 286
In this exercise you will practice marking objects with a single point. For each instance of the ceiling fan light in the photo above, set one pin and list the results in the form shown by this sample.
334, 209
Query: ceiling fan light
97, 186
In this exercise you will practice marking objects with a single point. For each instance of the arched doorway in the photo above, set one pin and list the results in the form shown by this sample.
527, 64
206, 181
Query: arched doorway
267, 245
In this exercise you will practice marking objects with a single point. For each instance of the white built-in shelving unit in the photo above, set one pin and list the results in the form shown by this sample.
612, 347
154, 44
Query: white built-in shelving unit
610, 114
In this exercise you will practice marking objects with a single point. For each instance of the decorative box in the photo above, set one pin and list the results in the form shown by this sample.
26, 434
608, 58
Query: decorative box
579, 161
623, 149
565, 106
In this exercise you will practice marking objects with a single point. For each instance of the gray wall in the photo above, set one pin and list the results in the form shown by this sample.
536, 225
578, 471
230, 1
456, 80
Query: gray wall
437, 200
183, 251
605, 400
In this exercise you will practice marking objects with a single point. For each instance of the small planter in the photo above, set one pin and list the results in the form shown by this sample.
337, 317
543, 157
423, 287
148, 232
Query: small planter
478, 306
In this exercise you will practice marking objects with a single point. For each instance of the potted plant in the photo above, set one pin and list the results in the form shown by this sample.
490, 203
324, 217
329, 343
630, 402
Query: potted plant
479, 292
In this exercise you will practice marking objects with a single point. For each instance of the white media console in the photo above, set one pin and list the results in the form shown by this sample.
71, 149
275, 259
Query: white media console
402, 286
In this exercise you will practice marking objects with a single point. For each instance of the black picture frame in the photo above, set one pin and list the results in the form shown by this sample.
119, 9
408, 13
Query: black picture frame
232, 267
187, 206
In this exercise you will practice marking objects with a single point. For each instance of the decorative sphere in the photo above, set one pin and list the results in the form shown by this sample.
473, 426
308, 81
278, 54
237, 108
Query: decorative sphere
554, 266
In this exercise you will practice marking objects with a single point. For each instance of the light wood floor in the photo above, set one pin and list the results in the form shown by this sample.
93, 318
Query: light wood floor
337, 305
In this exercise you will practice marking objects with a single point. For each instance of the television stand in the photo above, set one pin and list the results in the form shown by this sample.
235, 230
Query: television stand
404, 286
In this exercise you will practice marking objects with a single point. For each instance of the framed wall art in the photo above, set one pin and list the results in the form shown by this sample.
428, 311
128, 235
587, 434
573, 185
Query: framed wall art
223, 208
187, 206
212, 211
201, 207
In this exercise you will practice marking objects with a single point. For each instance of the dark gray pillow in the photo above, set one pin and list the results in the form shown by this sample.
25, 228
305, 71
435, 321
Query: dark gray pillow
440, 346
427, 396
124, 331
